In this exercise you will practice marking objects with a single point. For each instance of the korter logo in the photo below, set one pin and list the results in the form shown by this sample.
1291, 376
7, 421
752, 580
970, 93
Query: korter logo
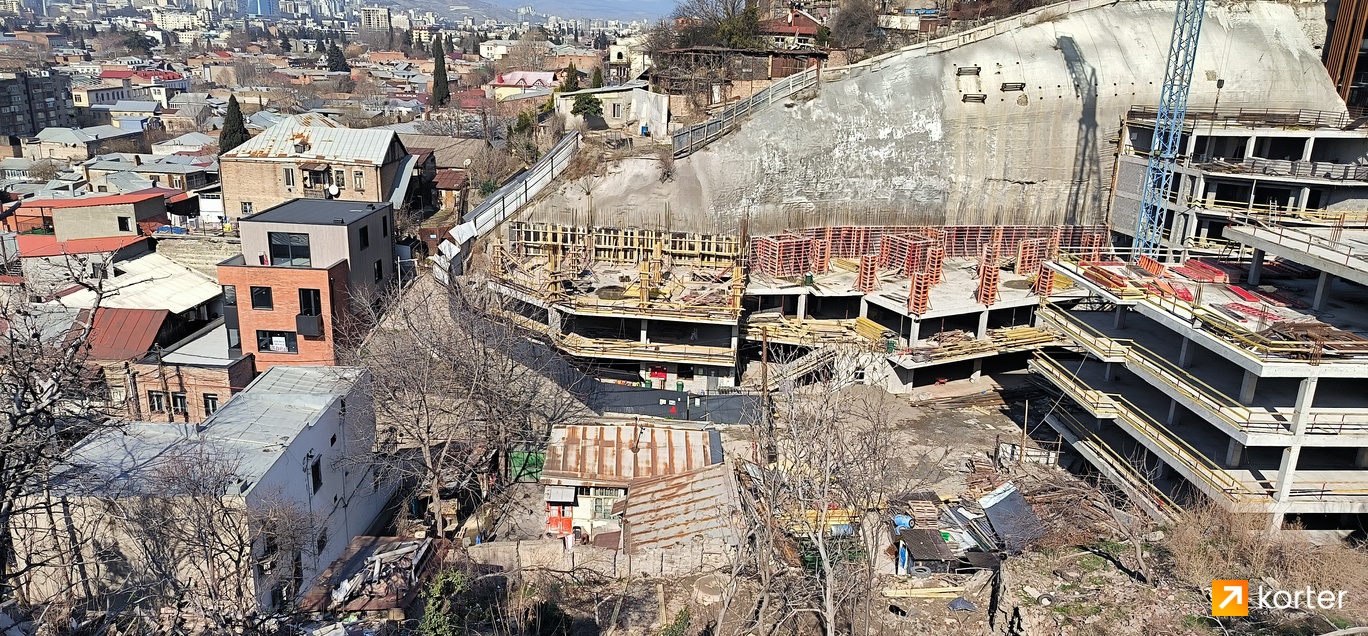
1232, 598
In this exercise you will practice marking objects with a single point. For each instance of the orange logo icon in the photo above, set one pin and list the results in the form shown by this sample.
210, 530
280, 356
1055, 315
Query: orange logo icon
1230, 598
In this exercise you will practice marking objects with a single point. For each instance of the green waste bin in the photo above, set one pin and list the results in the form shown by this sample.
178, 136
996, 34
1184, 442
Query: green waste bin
648, 384
679, 386
892, 345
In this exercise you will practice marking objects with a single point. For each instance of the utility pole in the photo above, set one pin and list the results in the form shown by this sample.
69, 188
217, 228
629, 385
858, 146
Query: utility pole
131, 391
166, 388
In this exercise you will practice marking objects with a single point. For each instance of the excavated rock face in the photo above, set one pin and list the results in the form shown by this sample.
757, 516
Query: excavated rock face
1018, 128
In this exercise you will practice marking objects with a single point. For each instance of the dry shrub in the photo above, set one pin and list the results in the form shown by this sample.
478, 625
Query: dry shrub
1209, 543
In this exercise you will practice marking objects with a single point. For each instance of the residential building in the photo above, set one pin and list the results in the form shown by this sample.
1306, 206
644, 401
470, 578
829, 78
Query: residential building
49, 267
189, 143
93, 216
303, 265
79, 144
310, 156
296, 441
187, 381
161, 174
630, 105
108, 92
513, 83
796, 30
375, 19
31, 101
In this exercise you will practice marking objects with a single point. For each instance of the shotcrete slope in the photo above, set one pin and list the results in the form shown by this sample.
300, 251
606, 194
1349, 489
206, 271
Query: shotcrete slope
894, 141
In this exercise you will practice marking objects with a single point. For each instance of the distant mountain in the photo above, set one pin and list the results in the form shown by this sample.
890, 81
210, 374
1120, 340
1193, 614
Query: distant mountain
606, 9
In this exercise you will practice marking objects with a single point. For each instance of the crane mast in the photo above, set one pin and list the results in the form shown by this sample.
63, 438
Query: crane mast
1168, 127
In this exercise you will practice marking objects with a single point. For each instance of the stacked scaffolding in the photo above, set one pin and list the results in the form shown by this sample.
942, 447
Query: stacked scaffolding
961, 241
613, 245
1030, 254
1044, 283
919, 293
867, 280
905, 253
783, 255
989, 272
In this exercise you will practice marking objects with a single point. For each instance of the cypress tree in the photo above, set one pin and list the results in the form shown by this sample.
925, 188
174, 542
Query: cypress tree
597, 82
234, 131
571, 82
336, 60
441, 90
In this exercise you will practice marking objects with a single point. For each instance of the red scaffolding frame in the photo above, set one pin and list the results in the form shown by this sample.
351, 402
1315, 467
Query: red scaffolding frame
919, 293
868, 278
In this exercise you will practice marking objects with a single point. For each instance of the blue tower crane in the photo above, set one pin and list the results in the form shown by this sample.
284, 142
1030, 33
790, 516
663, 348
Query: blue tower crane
1168, 126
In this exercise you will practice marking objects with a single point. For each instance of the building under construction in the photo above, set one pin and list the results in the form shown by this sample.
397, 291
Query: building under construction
1235, 377
694, 312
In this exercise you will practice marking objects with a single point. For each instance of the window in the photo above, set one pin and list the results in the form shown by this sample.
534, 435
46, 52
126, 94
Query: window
261, 298
322, 542
179, 405
384, 225
156, 402
99, 271
365, 237
230, 295
359, 180
289, 177
125, 224
379, 271
340, 178
289, 249
617, 109
210, 404
317, 472
246, 208
310, 302
277, 342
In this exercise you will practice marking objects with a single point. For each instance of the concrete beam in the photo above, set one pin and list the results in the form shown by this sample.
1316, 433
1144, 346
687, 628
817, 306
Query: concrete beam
1256, 267
1322, 291
1247, 388
1234, 454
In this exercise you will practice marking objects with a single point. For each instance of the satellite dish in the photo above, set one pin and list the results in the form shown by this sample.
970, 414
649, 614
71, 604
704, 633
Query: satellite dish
333, 190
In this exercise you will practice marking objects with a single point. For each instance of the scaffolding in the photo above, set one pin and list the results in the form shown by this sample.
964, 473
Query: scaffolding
989, 271
919, 293
905, 253
614, 245
783, 255
867, 281
1044, 283
1030, 254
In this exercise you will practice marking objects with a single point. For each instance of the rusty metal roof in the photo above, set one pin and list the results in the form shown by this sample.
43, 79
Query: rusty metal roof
683, 509
303, 138
613, 454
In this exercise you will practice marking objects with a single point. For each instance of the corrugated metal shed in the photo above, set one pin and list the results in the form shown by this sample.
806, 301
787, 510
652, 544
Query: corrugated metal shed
150, 281
296, 138
682, 510
613, 454
120, 334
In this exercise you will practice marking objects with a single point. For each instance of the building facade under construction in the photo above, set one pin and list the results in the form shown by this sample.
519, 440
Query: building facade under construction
716, 313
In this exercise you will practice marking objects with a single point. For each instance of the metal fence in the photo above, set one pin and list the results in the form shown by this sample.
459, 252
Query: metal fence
689, 140
504, 202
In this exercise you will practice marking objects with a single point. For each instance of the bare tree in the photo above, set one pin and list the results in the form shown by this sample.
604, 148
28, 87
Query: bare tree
457, 389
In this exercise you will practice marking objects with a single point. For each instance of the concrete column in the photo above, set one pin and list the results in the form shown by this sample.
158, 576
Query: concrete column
1173, 414
983, 324
1234, 454
864, 308
1306, 150
1306, 395
1249, 148
1256, 267
1247, 387
978, 370
736, 337
802, 306
1185, 353
1303, 199
1287, 472
1109, 371
1361, 458
1322, 291
553, 319
643, 331
914, 334
1119, 320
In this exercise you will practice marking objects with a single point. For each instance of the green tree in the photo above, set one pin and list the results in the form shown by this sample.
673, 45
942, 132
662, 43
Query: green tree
571, 82
284, 41
441, 88
337, 61
441, 616
597, 82
587, 105
234, 131
138, 43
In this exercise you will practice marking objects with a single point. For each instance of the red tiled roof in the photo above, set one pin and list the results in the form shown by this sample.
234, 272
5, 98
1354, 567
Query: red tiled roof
82, 202
796, 23
120, 334
40, 245
166, 75
450, 179
115, 74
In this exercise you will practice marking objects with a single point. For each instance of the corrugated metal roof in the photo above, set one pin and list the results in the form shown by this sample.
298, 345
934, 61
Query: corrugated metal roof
285, 140
612, 455
150, 281
40, 245
121, 334
678, 510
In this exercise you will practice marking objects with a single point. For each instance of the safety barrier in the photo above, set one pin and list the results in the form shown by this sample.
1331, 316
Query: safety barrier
689, 140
